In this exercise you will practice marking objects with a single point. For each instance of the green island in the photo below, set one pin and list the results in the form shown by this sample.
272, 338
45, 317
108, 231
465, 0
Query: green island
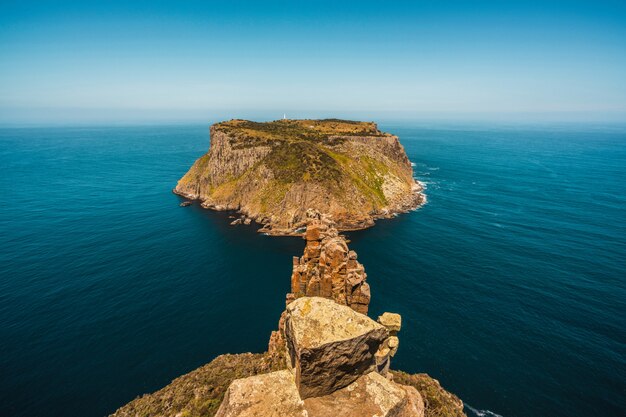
273, 172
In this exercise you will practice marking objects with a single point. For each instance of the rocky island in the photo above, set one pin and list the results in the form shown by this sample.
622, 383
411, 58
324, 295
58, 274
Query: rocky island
326, 359
273, 172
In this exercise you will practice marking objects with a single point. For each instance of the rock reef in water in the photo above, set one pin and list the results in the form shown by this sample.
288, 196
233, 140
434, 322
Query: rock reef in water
273, 172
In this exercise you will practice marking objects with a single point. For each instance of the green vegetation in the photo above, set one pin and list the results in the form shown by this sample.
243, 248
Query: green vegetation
296, 161
437, 401
250, 133
366, 173
198, 168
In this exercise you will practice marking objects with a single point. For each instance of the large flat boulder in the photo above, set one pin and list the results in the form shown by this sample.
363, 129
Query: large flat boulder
329, 345
267, 395
370, 395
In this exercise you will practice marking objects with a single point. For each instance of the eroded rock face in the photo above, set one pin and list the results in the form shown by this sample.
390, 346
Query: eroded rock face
329, 345
267, 395
328, 268
370, 395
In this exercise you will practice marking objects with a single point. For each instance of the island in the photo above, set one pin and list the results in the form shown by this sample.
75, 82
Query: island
273, 172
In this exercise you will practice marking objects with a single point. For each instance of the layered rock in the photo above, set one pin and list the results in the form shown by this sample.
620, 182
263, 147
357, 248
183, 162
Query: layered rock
370, 395
329, 345
273, 172
328, 268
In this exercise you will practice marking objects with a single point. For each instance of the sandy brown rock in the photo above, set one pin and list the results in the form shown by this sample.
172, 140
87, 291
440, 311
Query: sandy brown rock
415, 405
370, 395
391, 321
329, 345
267, 395
274, 172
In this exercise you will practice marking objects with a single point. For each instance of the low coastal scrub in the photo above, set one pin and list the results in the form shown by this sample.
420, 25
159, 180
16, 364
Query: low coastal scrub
249, 133
437, 401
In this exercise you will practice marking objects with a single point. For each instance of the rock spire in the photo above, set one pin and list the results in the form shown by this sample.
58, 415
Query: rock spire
328, 268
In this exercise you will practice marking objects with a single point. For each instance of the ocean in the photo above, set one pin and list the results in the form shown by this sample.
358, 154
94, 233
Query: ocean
511, 280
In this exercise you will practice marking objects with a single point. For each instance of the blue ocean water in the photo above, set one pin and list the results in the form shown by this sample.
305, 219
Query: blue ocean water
511, 280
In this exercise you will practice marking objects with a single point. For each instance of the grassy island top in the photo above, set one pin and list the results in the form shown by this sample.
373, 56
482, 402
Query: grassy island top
304, 129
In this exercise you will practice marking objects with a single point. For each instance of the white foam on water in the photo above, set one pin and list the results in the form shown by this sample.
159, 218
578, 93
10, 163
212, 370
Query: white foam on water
481, 413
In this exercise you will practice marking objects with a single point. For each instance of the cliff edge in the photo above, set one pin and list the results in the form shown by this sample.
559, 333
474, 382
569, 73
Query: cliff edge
273, 172
327, 358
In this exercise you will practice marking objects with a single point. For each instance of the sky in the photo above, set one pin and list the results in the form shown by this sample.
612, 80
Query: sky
118, 61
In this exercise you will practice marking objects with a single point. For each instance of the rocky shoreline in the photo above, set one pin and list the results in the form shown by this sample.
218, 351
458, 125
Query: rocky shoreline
413, 201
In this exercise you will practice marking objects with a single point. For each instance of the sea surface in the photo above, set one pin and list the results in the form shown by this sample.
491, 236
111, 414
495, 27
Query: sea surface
511, 280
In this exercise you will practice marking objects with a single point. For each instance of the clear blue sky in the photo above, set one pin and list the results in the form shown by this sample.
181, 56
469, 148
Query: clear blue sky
187, 60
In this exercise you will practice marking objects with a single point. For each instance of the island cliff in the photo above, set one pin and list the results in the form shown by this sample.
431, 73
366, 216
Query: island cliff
273, 172
327, 358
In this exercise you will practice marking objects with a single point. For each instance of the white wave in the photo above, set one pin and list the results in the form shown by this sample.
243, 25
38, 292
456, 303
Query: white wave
412, 164
482, 413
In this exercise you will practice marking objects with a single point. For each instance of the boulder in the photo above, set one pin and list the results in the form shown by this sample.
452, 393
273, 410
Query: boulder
267, 395
392, 321
329, 345
370, 395
314, 232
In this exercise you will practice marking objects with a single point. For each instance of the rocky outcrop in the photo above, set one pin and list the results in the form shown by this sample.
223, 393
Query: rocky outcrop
332, 355
388, 349
267, 395
328, 268
327, 358
248, 384
329, 345
273, 172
